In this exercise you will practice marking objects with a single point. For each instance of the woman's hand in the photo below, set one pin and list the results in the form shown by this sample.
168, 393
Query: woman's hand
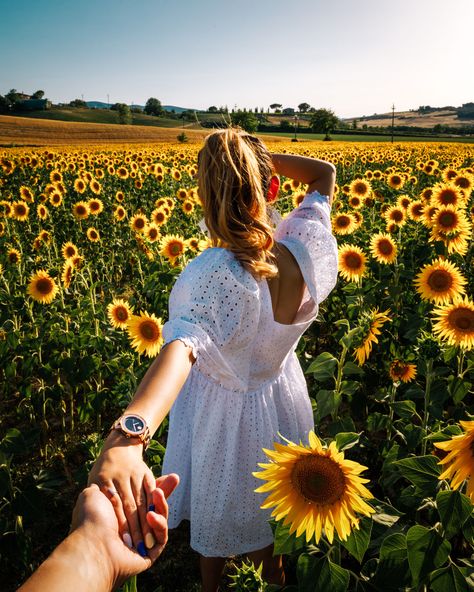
123, 476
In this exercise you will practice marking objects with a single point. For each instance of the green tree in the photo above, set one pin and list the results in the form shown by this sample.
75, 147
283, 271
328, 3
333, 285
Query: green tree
246, 120
153, 107
78, 103
276, 106
212, 109
304, 107
323, 121
12, 96
124, 114
4, 105
38, 94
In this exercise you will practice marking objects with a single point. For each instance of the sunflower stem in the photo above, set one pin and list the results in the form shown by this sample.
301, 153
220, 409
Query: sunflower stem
429, 376
460, 363
393, 392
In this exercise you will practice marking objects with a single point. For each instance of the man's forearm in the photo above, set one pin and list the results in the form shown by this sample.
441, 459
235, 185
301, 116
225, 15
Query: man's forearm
79, 563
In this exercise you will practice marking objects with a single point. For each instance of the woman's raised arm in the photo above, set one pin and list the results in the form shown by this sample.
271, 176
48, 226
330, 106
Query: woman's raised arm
120, 470
319, 175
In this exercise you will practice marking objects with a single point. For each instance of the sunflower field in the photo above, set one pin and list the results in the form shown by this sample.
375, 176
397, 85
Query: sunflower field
381, 496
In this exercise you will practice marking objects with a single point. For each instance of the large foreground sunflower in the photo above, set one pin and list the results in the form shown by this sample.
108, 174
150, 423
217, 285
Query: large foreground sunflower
351, 263
42, 287
145, 331
455, 323
172, 247
460, 459
314, 489
440, 281
343, 223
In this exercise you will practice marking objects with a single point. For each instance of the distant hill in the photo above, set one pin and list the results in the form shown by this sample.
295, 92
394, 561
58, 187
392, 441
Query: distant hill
425, 117
101, 105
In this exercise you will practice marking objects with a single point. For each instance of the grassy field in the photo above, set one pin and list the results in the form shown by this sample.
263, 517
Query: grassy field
368, 138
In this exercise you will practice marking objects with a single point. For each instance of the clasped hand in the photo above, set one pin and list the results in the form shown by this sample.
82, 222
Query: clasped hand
123, 476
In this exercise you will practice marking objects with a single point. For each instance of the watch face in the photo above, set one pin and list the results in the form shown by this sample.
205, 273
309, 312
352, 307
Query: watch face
134, 424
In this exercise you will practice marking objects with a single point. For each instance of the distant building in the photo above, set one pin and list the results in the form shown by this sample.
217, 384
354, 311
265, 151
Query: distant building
23, 97
288, 111
33, 105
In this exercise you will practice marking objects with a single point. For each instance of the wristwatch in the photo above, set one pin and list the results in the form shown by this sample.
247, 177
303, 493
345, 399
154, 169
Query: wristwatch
133, 426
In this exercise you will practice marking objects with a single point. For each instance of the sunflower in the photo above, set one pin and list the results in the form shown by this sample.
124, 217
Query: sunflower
460, 459
383, 248
77, 261
95, 206
182, 194
42, 211
172, 247
351, 263
355, 202
455, 323
95, 186
119, 313
193, 244
415, 210
20, 210
464, 182
314, 489
395, 181
120, 213
45, 236
139, 223
122, 173
7, 209
297, 198
145, 331
370, 324
400, 370
440, 282
80, 185
119, 196
448, 219
187, 206
447, 194
93, 235
396, 215
26, 194
159, 216
42, 287
360, 188
55, 177
66, 276
55, 198
152, 233
343, 223
403, 201
13, 256
69, 250
81, 210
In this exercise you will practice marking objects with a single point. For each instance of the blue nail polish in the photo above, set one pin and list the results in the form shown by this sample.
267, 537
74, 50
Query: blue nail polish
142, 549
151, 508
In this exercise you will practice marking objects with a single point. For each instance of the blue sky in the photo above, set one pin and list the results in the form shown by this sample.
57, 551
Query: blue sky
355, 57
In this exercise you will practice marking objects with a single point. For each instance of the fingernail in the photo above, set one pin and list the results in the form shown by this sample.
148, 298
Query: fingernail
141, 549
151, 508
149, 540
127, 539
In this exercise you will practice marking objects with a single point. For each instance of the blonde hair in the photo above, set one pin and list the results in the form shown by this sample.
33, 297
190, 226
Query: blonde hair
234, 172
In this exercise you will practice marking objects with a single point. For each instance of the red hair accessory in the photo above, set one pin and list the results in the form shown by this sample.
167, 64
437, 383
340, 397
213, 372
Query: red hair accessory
273, 189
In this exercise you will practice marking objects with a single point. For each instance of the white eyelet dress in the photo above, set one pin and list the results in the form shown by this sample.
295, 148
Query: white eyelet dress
245, 386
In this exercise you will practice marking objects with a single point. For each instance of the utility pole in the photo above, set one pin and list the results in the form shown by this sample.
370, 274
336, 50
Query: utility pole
393, 119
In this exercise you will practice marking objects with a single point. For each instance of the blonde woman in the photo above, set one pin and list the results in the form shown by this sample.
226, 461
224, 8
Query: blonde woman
228, 370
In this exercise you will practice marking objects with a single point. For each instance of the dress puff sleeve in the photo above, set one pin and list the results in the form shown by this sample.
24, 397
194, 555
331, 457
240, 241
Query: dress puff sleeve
214, 308
306, 232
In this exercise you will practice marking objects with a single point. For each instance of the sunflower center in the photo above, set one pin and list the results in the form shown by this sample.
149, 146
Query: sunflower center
396, 180
121, 313
462, 319
318, 479
462, 182
448, 196
397, 216
343, 221
139, 223
440, 280
447, 219
149, 331
175, 249
70, 252
360, 188
44, 286
385, 247
353, 261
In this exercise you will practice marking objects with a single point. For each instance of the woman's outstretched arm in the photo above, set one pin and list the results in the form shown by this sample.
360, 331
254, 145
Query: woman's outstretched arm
319, 175
120, 467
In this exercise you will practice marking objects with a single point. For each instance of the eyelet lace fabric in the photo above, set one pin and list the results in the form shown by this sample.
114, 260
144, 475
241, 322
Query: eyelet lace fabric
246, 384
